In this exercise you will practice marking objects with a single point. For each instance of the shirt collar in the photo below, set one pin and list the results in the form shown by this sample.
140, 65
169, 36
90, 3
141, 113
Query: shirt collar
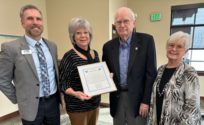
32, 42
128, 40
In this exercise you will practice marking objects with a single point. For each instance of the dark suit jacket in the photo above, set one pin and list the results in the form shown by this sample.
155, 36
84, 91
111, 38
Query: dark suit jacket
20, 69
141, 70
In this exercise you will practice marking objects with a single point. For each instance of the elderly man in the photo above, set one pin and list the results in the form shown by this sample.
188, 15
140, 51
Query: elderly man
131, 57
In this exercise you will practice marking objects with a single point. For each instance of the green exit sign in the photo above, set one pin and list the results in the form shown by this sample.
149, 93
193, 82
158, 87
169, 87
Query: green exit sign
155, 17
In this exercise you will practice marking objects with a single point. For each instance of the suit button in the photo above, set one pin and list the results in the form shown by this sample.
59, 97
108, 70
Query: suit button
37, 84
37, 97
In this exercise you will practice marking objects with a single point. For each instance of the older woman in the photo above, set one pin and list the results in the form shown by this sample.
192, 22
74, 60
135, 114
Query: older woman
81, 108
175, 96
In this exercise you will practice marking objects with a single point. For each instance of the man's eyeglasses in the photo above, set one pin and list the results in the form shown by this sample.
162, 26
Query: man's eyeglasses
119, 22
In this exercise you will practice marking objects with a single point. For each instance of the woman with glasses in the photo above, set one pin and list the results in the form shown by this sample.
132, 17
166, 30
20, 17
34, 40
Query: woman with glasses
175, 96
81, 108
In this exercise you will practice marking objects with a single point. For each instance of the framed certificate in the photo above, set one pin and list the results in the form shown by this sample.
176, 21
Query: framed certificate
95, 79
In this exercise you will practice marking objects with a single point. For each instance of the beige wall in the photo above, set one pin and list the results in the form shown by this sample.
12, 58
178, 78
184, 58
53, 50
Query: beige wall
59, 13
10, 24
161, 29
10, 21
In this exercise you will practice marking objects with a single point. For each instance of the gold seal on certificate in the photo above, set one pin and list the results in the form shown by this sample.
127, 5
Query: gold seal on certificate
95, 79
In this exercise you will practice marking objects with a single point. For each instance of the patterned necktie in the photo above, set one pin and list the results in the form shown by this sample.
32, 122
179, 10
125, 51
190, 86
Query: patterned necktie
43, 70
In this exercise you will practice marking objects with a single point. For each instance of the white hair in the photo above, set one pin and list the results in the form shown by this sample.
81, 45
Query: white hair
180, 35
131, 13
77, 23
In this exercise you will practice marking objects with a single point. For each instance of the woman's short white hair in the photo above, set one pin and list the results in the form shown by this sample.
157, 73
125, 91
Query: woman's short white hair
180, 35
77, 23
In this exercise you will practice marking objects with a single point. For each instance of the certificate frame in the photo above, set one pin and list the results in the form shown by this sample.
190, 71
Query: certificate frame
95, 79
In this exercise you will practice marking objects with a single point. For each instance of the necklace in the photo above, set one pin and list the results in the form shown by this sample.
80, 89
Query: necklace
161, 87
163, 90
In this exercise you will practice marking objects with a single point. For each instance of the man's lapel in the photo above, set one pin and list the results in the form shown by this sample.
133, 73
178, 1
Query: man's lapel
115, 59
133, 51
28, 57
53, 54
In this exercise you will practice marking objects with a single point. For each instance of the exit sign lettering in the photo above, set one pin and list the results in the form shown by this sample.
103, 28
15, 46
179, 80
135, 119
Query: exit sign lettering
155, 17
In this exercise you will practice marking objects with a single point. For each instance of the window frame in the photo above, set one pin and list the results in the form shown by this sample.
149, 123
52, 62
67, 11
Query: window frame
183, 7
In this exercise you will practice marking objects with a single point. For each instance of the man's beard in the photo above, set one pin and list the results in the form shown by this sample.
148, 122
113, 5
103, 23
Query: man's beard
35, 32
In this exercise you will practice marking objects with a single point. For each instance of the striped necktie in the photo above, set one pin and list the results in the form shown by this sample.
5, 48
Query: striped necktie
43, 70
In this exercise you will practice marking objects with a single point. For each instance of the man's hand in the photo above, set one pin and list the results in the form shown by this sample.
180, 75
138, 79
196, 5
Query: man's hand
144, 110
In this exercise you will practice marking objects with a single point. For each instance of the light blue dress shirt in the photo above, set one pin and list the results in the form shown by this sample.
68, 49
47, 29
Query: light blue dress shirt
124, 53
50, 65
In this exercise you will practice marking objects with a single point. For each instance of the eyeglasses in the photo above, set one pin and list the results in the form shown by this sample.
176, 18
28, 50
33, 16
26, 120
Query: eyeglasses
81, 33
119, 22
175, 46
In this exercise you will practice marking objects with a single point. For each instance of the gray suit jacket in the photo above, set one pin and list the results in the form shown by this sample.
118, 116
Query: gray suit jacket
20, 69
